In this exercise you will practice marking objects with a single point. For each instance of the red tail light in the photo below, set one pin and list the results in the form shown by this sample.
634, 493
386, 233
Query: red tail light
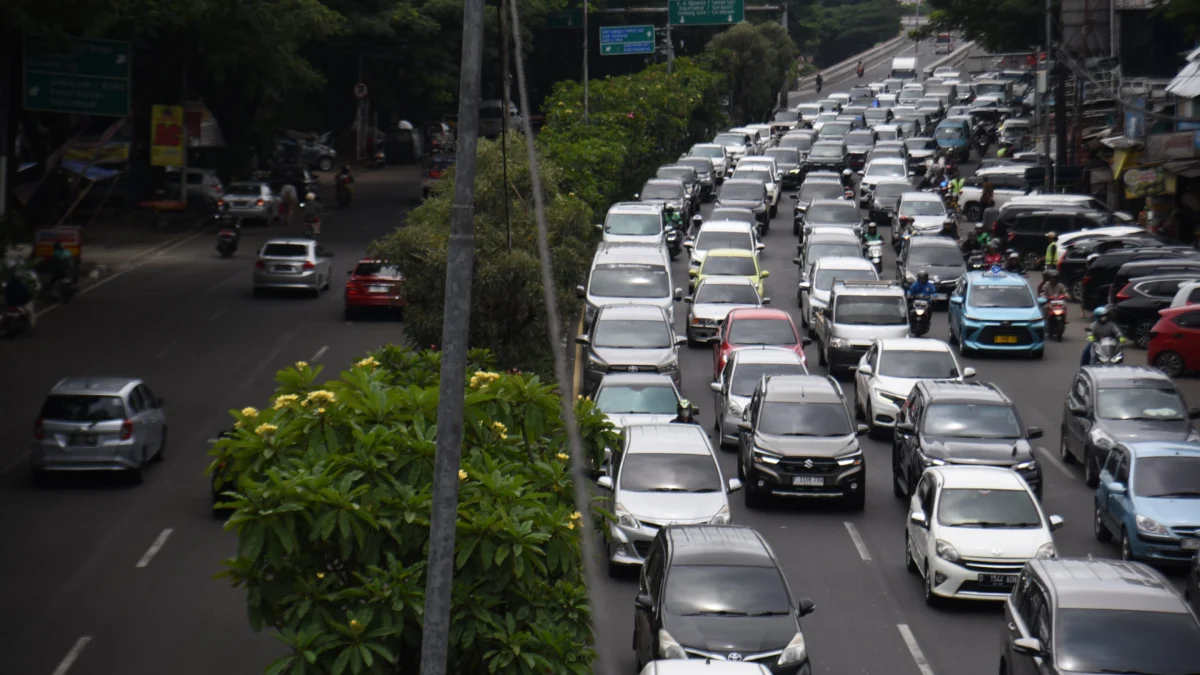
1124, 293
220, 202
259, 202
352, 288
39, 431
309, 266
1012, 236
126, 430
216, 188
260, 265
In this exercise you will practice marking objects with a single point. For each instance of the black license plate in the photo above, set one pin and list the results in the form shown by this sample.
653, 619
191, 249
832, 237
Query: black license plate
82, 439
1002, 580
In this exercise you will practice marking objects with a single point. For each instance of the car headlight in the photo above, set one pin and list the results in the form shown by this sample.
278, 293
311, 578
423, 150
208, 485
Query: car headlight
945, 551
722, 517
1047, 550
668, 648
1100, 439
764, 457
625, 518
1026, 466
1193, 436
839, 343
931, 461
668, 367
735, 408
1151, 526
853, 459
594, 363
894, 399
795, 652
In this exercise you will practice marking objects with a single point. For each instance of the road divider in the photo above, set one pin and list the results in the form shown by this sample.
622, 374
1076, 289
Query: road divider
159, 542
952, 59
809, 81
72, 656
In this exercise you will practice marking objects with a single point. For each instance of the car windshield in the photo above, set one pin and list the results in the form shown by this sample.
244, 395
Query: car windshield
866, 310
845, 213
683, 174
808, 110
826, 151
783, 156
1174, 477
747, 375
83, 408
887, 134
736, 215
763, 332
971, 420
702, 165
971, 507
878, 169
630, 281
836, 128
708, 241
823, 190
285, 251
936, 256
827, 116
377, 269
785, 116
1126, 641
711, 153
719, 590
755, 173
891, 190
825, 278
738, 140
669, 473
1001, 297
785, 418
728, 265
817, 251
243, 190
633, 224
917, 364
748, 192
929, 103
662, 191
922, 207
632, 334
920, 144
949, 133
860, 138
798, 142
651, 399
876, 114
726, 294
1153, 404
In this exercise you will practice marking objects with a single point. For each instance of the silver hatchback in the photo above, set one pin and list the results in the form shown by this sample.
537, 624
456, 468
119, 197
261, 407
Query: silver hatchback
99, 424
293, 264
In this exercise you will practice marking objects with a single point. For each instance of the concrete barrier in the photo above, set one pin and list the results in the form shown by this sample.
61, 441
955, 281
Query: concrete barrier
954, 58
809, 81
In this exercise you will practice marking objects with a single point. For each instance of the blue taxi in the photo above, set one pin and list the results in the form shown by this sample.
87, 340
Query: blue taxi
995, 311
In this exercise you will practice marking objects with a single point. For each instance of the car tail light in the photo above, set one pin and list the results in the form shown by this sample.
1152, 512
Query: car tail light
1124, 292
220, 202
1012, 236
308, 266
352, 288
1086, 280
126, 430
259, 202
216, 187
39, 431
260, 265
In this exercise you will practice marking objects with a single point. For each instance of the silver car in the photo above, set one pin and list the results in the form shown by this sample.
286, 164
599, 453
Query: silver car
814, 289
293, 264
99, 424
666, 474
921, 213
251, 200
713, 300
743, 370
637, 398
630, 339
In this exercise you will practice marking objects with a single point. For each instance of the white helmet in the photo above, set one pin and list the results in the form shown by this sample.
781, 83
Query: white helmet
310, 197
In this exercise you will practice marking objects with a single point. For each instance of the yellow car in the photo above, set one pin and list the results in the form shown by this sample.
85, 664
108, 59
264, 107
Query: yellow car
730, 262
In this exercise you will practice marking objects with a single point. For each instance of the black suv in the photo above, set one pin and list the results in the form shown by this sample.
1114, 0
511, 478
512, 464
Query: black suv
1140, 269
1100, 271
970, 423
1073, 262
716, 592
940, 257
1096, 616
1108, 405
1026, 232
796, 438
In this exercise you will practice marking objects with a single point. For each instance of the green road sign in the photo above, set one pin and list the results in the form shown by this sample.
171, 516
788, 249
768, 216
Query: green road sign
89, 77
706, 12
616, 40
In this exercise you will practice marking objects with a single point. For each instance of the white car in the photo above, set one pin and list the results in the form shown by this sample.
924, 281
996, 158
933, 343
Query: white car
888, 371
637, 398
739, 379
716, 234
710, 667
923, 212
971, 529
876, 170
814, 289
1188, 294
713, 300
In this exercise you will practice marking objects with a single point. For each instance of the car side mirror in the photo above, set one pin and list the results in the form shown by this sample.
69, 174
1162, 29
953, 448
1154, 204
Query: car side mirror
745, 426
805, 341
1035, 432
861, 430
715, 386
1027, 646
580, 292
805, 286
797, 261
643, 601
1055, 522
582, 340
956, 299
1194, 413
805, 607
968, 373
605, 482
1077, 410
1116, 488
764, 274
600, 226
918, 518
734, 485
678, 294
1043, 300
689, 299
866, 369
680, 340
766, 301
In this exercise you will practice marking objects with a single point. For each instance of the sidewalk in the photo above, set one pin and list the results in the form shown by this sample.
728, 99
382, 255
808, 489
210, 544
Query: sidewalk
111, 246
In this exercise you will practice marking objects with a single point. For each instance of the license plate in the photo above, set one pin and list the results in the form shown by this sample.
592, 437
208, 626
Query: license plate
940, 296
82, 439
1005, 339
998, 579
1190, 544
811, 481
237, 204
377, 289
281, 268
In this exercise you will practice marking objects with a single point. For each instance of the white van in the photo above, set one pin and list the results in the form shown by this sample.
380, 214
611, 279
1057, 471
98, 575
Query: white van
905, 68
629, 274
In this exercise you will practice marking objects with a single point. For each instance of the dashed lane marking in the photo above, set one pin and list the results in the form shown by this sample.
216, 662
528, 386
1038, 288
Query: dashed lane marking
1053, 460
858, 542
915, 649
70, 658
155, 548
320, 352
165, 350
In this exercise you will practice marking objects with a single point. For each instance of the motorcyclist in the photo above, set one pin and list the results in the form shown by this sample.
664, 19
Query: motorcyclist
18, 294
344, 178
287, 203
922, 288
1051, 286
859, 69
993, 256
987, 197
1101, 328
1012, 263
685, 413
872, 234
63, 265
820, 81
949, 229
674, 218
956, 185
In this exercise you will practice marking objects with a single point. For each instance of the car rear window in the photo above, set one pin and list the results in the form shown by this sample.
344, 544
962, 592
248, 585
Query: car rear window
285, 251
83, 408
376, 269
244, 190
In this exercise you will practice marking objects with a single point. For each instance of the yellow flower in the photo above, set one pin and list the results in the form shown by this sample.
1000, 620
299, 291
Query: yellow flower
320, 395
570, 194
368, 362
560, 102
320, 411
264, 429
570, 526
237, 424
320, 575
301, 365
576, 516
500, 429
285, 400
462, 475
249, 412
563, 456
568, 111
481, 378
355, 624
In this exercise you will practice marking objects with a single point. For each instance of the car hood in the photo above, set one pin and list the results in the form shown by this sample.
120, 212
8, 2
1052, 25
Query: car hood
921, 153
598, 301
807, 446
980, 451
665, 508
1172, 512
715, 311
634, 238
1146, 430
859, 149
740, 203
1015, 314
633, 357
632, 419
819, 296
927, 222
864, 335
817, 223
978, 542
745, 634
939, 272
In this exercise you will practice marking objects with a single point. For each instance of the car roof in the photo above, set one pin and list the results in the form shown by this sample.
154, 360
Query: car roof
913, 345
729, 253
887, 127
829, 236
740, 181
717, 545
1163, 448
765, 354
988, 278
828, 142
642, 312
949, 390
94, 386
289, 240
248, 183
932, 242
980, 477
918, 196
669, 439
677, 166
721, 280
738, 226
665, 181
636, 379
1139, 264
877, 288
895, 181
635, 207
609, 252
839, 203
1114, 585
844, 263
759, 313
802, 389
707, 145
887, 160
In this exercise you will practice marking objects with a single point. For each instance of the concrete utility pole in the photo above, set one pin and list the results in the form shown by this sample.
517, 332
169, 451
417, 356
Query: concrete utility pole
507, 103
783, 91
7, 76
586, 103
1045, 121
670, 48
456, 318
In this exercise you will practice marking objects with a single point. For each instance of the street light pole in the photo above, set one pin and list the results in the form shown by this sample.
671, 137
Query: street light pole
585, 61
1048, 180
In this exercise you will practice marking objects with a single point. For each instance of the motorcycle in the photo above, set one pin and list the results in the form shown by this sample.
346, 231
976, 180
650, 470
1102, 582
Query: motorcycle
697, 221
379, 161
345, 192
975, 261
674, 241
227, 240
1056, 317
918, 317
859, 70
13, 322
1107, 352
875, 254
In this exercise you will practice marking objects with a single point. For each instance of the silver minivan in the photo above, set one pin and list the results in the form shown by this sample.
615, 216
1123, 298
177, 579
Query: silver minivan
629, 274
859, 313
634, 223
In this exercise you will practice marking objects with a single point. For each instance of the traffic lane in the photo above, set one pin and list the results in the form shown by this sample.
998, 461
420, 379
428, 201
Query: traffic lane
874, 70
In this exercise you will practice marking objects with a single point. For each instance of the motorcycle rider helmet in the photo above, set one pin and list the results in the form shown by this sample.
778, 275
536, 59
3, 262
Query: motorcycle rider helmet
684, 407
872, 227
993, 246
310, 197
1052, 235
1051, 275
669, 208
923, 277
1014, 257
1100, 314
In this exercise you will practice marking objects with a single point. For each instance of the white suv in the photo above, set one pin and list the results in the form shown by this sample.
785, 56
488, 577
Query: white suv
971, 529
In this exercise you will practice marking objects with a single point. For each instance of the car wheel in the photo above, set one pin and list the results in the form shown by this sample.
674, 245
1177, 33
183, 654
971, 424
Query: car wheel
41, 477
1098, 528
774, 210
741, 472
931, 598
898, 483
162, 448
614, 570
909, 563
1063, 450
796, 229
1038, 354
135, 476
348, 314
1126, 549
858, 410
1075, 289
1091, 472
1170, 363
316, 290
1141, 334
973, 212
325, 163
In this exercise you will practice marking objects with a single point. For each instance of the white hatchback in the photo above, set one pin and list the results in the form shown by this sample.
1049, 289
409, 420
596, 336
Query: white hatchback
891, 368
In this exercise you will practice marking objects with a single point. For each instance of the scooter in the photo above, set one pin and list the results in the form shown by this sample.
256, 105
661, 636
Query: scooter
697, 222
13, 322
875, 254
918, 317
379, 161
975, 261
674, 241
227, 239
1056, 317
345, 193
1107, 352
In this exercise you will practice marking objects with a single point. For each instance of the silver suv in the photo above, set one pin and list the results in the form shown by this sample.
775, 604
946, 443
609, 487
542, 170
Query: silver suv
630, 339
859, 313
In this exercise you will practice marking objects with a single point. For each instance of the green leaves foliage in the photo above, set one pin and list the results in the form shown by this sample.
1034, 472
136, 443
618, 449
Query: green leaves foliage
997, 25
755, 60
332, 490
850, 27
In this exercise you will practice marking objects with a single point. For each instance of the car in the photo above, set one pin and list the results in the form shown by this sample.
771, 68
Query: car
996, 312
1085, 615
204, 187
815, 287
801, 141
623, 274
919, 213
691, 182
753, 171
297, 176
706, 174
717, 593
293, 264
764, 327
823, 118
1176, 271
747, 194
920, 150
1175, 341
718, 153
634, 223
1147, 499
98, 424
945, 423
931, 106
784, 121
826, 154
830, 105
796, 439
630, 338
890, 369
374, 285
737, 144
888, 131
718, 234
637, 398
885, 199
787, 159
1188, 294
877, 117
1007, 183
1101, 270
939, 257
889, 150
859, 312
736, 384
876, 171
669, 192
808, 112
839, 213
971, 529
664, 474
835, 130
858, 144
731, 262
733, 214
1025, 229
713, 300
811, 191
1140, 300
826, 242
710, 667
251, 200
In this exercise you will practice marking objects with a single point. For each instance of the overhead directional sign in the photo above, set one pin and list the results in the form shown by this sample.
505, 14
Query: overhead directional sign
85, 76
626, 40
706, 12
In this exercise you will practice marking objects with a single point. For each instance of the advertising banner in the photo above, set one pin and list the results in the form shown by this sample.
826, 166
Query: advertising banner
166, 135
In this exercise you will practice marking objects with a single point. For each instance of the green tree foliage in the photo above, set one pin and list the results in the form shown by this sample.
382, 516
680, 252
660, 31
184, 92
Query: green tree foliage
847, 28
755, 60
332, 492
997, 25
1183, 13
508, 314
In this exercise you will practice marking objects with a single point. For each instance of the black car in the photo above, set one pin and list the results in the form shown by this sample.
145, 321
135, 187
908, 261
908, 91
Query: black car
1186, 267
295, 175
971, 423
1138, 302
746, 194
885, 198
1026, 232
1073, 259
717, 592
829, 155
705, 174
1108, 405
858, 143
788, 162
1100, 271
940, 257
810, 192
691, 182
802, 140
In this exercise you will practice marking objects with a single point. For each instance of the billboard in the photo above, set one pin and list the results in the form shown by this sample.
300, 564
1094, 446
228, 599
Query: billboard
166, 135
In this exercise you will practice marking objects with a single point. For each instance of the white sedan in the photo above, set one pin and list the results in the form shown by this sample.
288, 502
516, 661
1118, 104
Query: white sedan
889, 370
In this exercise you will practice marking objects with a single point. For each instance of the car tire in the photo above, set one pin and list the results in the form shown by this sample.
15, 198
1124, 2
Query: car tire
1091, 472
931, 598
858, 410
795, 229
1063, 450
1141, 334
325, 163
857, 500
1098, 529
41, 477
1126, 548
899, 485
316, 291
1170, 363
909, 563
136, 475
614, 570
162, 449
348, 314
1075, 289
258, 292
741, 472
1038, 354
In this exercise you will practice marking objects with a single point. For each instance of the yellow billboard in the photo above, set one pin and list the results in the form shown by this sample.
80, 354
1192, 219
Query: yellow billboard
166, 135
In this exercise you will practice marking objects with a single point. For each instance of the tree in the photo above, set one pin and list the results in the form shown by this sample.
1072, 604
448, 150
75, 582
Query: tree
332, 490
755, 59
848, 28
997, 25
1183, 13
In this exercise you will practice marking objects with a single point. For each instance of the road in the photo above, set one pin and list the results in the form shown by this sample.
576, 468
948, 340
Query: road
871, 616
122, 576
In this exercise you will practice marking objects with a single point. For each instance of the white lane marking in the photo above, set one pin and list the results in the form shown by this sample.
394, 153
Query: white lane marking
166, 350
914, 649
69, 659
858, 542
218, 313
155, 548
320, 352
1054, 461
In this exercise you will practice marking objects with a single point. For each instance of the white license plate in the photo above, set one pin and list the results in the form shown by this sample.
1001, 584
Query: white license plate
1190, 544
810, 481
941, 296
281, 268
377, 289
82, 439
998, 579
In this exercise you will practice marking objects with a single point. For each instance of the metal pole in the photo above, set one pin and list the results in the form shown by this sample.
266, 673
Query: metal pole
783, 92
670, 47
916, 17
586, 102
504, 79
1049, 179
6, 48
460, 258
361, 141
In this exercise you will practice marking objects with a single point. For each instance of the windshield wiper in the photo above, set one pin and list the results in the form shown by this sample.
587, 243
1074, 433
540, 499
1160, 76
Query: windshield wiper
668, 489
772, 612
980, 523
723, 612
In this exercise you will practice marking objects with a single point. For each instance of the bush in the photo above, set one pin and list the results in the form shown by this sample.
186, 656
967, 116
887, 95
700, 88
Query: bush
755, 59
332, 495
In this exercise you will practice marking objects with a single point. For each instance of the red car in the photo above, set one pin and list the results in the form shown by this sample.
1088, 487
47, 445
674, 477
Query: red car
1175, 341
374, 285
755, 327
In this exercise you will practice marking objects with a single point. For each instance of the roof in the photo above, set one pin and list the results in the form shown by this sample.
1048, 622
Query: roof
730, 253
887, 160
723, 209
635, 207
636, 379
1186, 83
879, 288
1139, 264
987, 278
1125, 376
887, 127
981, 477
740, 181
94, 385
932, 242
943, 390
826, 236
916, 196
839, 203
629, 251
290, 240
668, 439
758, 313
721, 280
1116, 585
1163, 448
843, 263
707, 145
642, 312
913, 345
765, 354
802, 389
665, 181
717, 545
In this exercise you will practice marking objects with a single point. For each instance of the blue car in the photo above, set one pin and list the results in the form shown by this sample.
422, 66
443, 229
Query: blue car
1149, 498
994, 311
